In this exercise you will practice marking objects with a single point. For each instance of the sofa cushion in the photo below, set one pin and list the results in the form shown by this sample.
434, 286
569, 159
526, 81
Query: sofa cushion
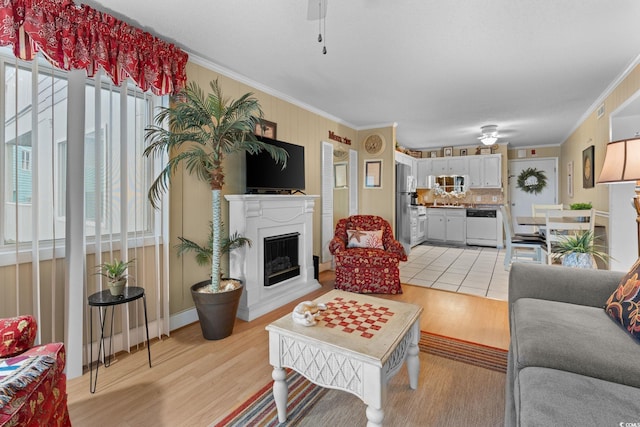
365, 239
574, 338
548, 397
623, 305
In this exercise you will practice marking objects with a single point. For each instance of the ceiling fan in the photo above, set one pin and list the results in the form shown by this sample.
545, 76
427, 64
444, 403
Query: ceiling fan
488, 134
317, 9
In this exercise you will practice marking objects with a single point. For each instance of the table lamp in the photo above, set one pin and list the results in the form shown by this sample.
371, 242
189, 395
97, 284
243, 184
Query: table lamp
622, 164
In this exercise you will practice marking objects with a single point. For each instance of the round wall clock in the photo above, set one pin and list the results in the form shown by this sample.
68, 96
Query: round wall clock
374, 144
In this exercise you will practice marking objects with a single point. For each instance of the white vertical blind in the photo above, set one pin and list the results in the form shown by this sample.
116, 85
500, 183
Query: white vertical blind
75, 254
73, 185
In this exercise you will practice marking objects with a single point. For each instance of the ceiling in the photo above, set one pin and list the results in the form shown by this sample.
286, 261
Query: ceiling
438, 69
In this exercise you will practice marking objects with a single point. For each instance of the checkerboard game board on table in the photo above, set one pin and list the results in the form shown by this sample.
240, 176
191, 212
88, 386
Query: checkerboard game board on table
351, 316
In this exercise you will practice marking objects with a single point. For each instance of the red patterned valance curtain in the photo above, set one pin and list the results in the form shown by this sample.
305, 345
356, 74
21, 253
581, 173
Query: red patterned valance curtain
79, 37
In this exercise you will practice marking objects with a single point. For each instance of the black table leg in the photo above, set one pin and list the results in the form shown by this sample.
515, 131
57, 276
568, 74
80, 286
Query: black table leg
103, 300
146, 325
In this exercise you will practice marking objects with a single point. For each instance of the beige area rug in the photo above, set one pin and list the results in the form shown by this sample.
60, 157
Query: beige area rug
452, 391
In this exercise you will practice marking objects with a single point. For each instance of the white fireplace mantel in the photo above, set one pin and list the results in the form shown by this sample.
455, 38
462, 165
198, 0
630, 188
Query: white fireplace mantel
257, 216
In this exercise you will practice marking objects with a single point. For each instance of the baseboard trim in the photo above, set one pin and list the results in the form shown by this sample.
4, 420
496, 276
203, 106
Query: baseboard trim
183, 318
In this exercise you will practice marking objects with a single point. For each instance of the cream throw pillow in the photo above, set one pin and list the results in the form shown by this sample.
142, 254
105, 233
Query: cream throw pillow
364, 239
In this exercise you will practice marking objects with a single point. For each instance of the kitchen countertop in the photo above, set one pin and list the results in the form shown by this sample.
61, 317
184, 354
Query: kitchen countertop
462, 206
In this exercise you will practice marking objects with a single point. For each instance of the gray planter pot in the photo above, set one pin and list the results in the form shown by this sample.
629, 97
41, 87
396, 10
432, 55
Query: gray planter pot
216, 311
579, 260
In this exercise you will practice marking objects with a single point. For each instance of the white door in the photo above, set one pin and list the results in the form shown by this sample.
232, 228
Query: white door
327, 200
521, 201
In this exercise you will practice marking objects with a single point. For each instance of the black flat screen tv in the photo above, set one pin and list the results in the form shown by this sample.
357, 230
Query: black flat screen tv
264, 175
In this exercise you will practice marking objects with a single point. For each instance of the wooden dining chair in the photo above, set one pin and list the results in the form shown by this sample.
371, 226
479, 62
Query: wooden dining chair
560, 224
520, 247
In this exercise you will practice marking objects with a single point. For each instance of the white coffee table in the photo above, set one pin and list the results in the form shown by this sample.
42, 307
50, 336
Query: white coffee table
359, 343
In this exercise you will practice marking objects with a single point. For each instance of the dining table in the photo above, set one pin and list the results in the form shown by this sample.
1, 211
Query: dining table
542, 221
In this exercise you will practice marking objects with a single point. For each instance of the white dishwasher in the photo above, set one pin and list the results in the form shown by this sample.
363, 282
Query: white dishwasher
482, 227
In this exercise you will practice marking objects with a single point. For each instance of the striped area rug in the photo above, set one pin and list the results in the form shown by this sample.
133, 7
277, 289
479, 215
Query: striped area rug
260, 410
464, 351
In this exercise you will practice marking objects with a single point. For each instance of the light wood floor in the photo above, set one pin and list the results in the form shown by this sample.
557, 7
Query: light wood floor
193, 382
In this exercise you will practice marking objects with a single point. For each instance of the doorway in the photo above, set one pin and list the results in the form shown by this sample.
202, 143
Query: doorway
520, 201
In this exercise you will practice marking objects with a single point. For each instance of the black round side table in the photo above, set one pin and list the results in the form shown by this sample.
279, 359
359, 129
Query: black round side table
102, 300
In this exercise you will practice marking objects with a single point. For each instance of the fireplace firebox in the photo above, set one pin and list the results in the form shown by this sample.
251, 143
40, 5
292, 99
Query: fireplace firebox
280, 258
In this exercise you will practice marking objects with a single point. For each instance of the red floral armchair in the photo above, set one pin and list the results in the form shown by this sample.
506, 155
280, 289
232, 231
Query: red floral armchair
33, 386
366, 255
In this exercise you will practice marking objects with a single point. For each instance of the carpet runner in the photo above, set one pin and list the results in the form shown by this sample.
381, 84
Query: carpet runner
260, 410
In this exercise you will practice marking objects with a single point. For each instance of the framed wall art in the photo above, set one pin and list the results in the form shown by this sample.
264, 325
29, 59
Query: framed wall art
266, 128
587, 167
340, 175
373, 174
433, 154
463, 151
448, 151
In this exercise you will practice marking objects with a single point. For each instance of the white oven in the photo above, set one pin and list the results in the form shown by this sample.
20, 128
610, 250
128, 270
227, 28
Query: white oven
422, 223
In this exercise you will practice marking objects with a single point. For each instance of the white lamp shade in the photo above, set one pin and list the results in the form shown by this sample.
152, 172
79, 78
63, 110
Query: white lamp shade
621, 162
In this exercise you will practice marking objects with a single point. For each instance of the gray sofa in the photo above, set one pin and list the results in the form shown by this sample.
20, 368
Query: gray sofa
569, 363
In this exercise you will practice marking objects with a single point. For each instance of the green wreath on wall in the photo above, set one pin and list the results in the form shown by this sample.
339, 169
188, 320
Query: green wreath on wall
532, 180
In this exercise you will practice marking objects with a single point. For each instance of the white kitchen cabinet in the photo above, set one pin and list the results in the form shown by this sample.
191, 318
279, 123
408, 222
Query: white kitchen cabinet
456, 229
485, 171
493, 171
405, 160
424, 171
449, 166
440, 166
457, 165
446, 225
436, 224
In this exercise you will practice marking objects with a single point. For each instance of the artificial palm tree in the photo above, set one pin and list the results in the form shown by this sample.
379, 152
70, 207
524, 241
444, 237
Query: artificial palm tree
202, 131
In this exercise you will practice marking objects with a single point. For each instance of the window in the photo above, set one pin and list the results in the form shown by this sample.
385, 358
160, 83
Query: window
33, 161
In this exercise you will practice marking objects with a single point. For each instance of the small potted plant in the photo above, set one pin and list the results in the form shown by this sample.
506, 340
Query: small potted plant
579, 250
116, 273
581, 207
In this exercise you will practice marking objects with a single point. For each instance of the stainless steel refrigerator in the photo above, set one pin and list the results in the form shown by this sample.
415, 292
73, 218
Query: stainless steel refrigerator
403, 201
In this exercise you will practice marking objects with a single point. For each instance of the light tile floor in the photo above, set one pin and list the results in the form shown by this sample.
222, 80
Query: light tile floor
468, 269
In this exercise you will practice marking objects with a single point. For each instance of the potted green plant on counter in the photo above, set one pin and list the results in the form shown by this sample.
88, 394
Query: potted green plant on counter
202, 131
579, 250
581, 207
115, 272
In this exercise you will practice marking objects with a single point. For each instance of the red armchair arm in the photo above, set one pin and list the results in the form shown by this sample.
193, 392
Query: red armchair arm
393, 246
17, 334
336, 245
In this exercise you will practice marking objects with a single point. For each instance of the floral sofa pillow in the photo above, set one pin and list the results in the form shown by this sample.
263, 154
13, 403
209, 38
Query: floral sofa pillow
364, 239
624, 304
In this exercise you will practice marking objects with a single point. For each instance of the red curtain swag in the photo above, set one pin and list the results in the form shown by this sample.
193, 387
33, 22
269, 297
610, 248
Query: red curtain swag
78, 37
